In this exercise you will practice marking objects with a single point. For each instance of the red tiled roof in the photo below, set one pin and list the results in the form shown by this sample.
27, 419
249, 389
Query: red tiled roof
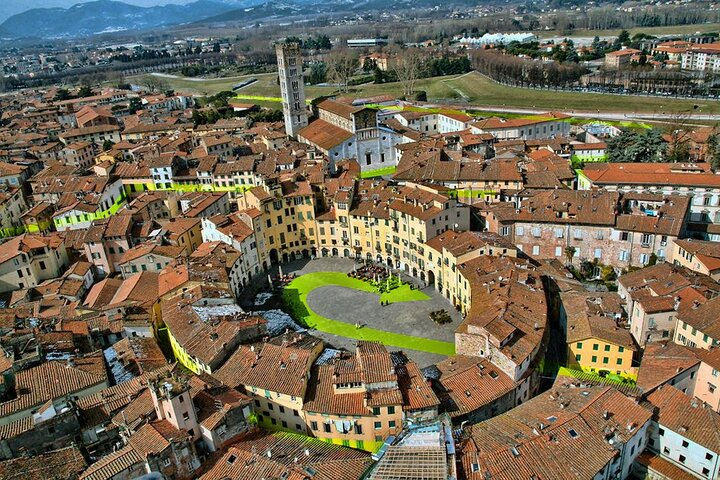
324, 134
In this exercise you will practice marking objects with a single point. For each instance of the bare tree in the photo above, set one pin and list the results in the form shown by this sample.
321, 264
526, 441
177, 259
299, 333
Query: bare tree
406, 65
341, 65
155, 84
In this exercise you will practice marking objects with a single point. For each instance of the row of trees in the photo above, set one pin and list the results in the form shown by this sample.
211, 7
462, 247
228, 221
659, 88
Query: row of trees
406, 65
320, 42
522, 72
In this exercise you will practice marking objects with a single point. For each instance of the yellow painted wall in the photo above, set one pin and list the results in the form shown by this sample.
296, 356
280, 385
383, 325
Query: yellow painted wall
593, 355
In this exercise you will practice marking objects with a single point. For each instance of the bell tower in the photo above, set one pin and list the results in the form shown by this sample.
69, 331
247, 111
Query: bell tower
292, 87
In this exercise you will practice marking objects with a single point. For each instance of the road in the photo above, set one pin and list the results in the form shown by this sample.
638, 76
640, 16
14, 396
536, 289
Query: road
614, 116
202, 79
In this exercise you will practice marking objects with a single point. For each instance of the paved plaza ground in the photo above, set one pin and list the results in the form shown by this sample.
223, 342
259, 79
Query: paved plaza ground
407, 322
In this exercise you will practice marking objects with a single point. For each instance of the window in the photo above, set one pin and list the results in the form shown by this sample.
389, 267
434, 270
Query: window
391, 410
378, 425
536, 250
594, 358
326, 427
358, 429
681, 459
606, 360
376, 410
314, 425
282, 409
391, 424
607, 348
596, 346
284, 424
578, 357
685, 444
708, 456
705, 471
621, 349
186, 416
166, 462
619, 361
579, 344
661, 432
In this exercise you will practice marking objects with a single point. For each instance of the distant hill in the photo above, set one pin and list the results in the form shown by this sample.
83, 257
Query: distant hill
103, 16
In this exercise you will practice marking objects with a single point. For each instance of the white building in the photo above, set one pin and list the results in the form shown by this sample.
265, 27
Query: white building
498, 38
345, 131
684, 432
28, 260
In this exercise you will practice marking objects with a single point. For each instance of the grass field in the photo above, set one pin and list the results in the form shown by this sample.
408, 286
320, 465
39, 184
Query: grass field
378, 172
295, 298
470, 89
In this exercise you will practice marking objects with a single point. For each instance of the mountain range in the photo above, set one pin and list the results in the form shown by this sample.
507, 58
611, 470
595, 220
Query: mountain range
107, 16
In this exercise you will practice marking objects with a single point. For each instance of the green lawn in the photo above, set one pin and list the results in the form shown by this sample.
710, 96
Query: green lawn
471, 89
378, 172
484, 92
477, 90
295, 298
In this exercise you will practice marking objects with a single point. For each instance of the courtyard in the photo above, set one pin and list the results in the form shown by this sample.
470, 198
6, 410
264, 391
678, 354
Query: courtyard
341, 310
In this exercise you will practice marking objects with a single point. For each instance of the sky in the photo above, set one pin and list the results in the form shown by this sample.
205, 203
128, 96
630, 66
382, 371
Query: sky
12, 7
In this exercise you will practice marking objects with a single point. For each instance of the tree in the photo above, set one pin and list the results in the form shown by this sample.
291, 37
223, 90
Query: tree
107, 145
712, 156
646, 147
134, 105
406, 66
318, 73
155, 84
62, 94
369, 65
649, 147
623, 38
341, 65
85, 91
570, 253
267, 116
